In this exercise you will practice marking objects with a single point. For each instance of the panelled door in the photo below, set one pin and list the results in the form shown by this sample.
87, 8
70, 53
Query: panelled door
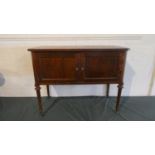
100, 66
57, 67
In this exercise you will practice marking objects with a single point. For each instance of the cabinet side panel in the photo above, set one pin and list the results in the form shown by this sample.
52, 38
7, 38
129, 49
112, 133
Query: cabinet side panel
122, 62
35, 67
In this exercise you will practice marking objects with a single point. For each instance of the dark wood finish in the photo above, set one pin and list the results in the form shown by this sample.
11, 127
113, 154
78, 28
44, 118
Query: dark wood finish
78, 65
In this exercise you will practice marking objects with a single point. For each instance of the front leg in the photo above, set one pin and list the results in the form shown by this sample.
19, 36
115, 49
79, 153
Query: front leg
120, 86
37, 88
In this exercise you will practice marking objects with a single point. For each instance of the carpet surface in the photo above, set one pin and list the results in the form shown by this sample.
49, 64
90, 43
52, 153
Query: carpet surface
88, 108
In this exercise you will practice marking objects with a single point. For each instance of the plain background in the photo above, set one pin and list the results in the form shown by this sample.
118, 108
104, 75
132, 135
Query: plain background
16, 64
80, 17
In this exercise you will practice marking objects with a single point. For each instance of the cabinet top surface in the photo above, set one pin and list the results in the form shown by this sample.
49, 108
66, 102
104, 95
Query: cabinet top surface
75, 47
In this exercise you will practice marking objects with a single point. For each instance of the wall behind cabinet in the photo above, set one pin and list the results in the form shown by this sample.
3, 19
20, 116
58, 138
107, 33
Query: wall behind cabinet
16, 72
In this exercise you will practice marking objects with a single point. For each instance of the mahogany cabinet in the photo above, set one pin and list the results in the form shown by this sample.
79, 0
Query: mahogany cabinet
78, 65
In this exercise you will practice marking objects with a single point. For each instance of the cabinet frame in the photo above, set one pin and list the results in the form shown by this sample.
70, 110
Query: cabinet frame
79, 61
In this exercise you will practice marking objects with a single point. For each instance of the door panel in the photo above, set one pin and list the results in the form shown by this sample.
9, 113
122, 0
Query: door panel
58, 67
100, 66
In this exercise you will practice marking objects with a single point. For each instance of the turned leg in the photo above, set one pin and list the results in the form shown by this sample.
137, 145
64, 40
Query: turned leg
48, 91
120, 86
37, 87
107, 92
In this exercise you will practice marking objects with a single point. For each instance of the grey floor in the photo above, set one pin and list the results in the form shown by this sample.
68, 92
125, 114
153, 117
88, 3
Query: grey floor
90, 108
